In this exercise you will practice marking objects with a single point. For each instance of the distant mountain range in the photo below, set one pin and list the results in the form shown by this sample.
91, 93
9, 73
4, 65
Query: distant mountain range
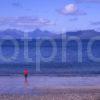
84, 34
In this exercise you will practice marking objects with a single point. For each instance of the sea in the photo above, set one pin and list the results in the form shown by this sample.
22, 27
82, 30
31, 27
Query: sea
52, 57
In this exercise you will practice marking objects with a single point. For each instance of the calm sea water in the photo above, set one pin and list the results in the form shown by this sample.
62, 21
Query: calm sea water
71, 66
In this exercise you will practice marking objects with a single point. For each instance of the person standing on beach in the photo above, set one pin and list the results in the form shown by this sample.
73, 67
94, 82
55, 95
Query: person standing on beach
25, 74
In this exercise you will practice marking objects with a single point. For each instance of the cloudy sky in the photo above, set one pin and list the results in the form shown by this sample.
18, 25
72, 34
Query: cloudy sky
53, 15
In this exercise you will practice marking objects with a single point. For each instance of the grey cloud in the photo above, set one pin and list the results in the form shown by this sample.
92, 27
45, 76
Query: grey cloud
20, 5
17, 4
88, 1
73, 19
95, 23
77, 13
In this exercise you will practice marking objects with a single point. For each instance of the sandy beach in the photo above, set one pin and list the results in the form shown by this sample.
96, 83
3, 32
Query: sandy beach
49, 88
56, 94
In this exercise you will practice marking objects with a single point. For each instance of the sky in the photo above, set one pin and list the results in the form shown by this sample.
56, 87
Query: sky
52, 15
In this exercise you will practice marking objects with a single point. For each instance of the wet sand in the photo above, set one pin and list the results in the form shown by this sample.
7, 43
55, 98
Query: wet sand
57, 94
49, 88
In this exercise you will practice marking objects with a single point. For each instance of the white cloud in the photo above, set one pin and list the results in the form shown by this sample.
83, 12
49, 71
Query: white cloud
24, 22
71, 9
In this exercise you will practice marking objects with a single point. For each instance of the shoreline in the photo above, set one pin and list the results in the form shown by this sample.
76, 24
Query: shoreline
18, 84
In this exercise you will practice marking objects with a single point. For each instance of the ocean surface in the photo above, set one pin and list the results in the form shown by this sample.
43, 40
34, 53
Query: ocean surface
17, 55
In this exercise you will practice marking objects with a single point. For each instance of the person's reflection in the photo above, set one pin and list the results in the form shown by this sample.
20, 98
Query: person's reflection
26, 83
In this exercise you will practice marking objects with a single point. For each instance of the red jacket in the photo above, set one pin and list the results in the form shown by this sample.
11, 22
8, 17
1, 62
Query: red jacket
25, 72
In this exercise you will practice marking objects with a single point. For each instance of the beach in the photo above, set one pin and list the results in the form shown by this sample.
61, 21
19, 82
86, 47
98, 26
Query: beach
49, 88
60, 94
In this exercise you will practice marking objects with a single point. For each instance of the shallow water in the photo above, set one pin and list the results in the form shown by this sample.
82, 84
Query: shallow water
18, 85
54, 67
